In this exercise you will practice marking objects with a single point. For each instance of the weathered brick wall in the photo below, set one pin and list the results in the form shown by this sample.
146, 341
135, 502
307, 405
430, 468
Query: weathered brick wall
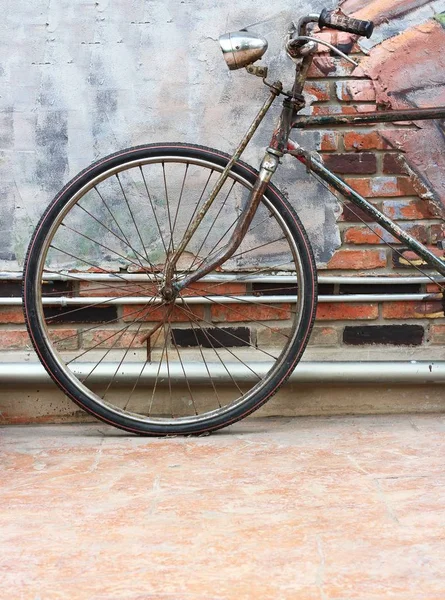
373, 165
368, 159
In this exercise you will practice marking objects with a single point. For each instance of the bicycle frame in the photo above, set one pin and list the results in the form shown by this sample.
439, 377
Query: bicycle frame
280, 144
338, 184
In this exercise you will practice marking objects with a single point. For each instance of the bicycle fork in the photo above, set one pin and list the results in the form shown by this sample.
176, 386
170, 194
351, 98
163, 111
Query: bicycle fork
269, 165
267, 169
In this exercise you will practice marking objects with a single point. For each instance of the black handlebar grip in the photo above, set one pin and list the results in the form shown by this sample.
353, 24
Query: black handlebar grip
336, 19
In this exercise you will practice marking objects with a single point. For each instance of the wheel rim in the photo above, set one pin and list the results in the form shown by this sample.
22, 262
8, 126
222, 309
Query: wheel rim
110, 367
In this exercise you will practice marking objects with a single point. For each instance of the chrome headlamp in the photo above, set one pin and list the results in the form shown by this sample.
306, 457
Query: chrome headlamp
242, 48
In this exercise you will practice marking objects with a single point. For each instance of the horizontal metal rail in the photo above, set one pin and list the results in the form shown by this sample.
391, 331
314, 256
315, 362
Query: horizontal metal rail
403, 372
269, 299
230, 277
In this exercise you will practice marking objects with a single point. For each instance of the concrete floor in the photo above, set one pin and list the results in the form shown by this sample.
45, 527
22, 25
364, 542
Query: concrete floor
312, 508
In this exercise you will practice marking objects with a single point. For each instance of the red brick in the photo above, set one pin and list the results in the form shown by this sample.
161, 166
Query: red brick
364, 235
346, 311
412, 310
272, 336
341, 109
329, 141
151, 314
324, 336
437, 335
12, 339
358, 90
244, 312
104, 338
406, 209
382, 186
318, 89
353, 214
11, 314
409, 258
362, 163
364, 141
64, 339
357, 259
215, 289
432, 288
437, 232
149, 289
393, 164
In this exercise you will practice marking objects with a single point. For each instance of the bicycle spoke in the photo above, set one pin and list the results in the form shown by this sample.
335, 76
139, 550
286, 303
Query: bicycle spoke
259, 246
172, 337
167, 202
157, 377
120, 362
100, 269
83, 280
103, 358
101, 324
180, 197
106, 354
100, 288
158, 333
210, 227
135, 252
195, 211
249, 231
101, 245
209, 290
123, 329
132, 218
213, 326
238, 312
154, 212
205, 364
168, 372
87, 306
204, 332
116, 221
139, 368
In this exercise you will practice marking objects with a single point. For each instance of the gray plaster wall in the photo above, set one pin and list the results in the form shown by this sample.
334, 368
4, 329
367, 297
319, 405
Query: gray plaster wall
82, 79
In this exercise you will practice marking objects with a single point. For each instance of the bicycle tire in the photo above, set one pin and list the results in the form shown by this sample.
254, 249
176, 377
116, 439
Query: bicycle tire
43, 333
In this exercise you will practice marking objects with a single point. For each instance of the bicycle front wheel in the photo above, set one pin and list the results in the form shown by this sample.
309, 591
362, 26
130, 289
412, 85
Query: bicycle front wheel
105, 332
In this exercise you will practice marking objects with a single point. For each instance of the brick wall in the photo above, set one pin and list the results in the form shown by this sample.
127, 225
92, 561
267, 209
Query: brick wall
371, 164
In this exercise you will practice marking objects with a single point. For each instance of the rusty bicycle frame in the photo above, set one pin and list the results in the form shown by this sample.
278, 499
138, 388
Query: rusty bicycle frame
280, 144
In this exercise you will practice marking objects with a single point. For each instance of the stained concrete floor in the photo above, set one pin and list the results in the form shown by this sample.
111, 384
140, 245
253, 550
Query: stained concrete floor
312, 508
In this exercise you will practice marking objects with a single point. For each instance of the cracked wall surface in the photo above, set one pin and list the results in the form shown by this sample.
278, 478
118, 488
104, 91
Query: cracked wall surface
79, 80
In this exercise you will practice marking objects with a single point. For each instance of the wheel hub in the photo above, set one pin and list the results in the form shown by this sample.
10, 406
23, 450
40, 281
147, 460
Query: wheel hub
168, 293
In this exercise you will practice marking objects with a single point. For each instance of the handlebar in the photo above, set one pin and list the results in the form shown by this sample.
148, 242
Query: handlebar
302, 44
336, 19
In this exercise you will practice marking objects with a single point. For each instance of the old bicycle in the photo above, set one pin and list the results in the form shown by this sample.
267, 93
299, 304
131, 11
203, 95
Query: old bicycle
155, 256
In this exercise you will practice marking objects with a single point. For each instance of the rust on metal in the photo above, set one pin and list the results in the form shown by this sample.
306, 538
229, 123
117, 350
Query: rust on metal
275, 91
350, 194
235, 240
388, 116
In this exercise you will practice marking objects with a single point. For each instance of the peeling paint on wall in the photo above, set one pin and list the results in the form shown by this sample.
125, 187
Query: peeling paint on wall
407, 67
83, 79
